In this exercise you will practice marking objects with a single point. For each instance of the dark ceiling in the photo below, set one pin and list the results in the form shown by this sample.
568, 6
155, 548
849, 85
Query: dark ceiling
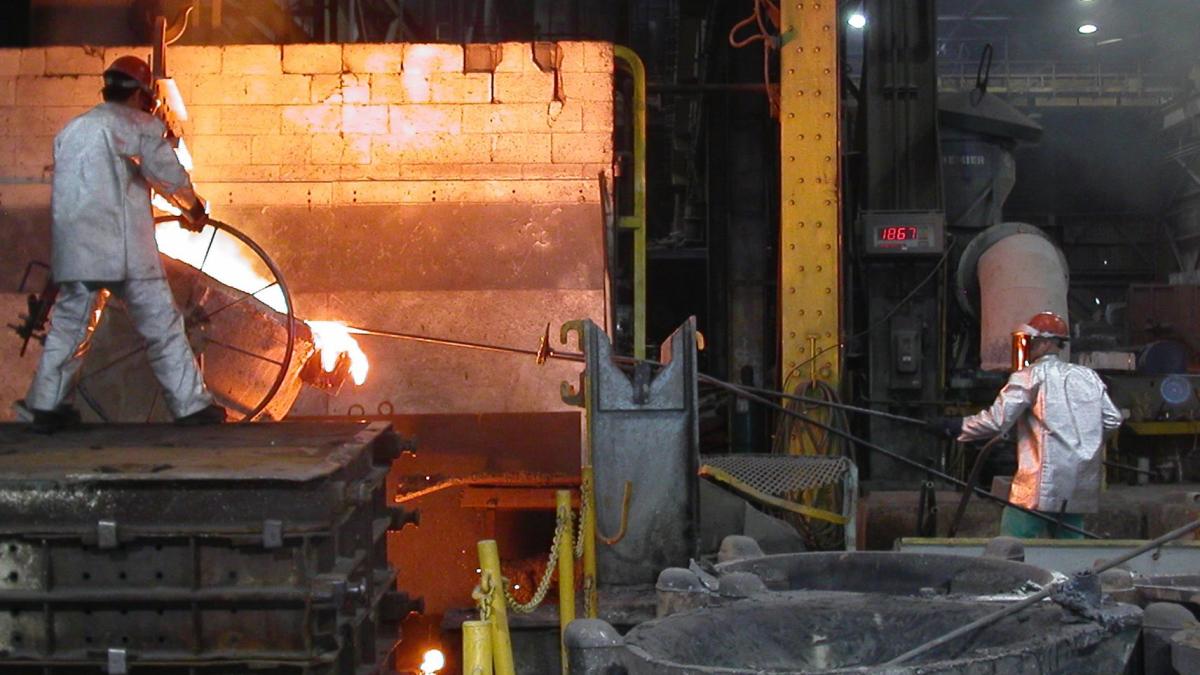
1157, 34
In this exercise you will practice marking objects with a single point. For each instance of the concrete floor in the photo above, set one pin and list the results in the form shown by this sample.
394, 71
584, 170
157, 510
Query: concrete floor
1126, 512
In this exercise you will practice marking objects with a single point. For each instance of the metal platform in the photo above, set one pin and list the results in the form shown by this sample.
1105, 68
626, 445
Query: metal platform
154, 548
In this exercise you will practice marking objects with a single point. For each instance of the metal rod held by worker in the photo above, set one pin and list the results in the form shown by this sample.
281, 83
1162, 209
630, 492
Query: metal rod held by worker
835, 404
587, 495
492, 583
887, 416
1039, 596
747, 394
885, 452
566, 571
972, 480
476, 648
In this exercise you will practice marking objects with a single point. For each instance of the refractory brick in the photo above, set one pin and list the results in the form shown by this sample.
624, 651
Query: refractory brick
74, 61
524, 87
460, 87
312, 59
518, 147
410, 120
10, 62
341, 88
501, 118
251, 60
365, 119
373, 58
189, 60
582, 148
433, 58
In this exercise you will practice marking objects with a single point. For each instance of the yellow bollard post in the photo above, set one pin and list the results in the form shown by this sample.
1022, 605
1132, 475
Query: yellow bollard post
566, 571
591, 596
477, 648
493, 584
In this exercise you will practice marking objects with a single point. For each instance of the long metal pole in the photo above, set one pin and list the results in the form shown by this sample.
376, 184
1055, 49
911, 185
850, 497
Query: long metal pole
887, 453
1038, 597
973, 479
447, 342
888, 416
836, 405
744, 393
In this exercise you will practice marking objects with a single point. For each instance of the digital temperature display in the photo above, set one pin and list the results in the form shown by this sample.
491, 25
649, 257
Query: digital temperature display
900, 233
904, 233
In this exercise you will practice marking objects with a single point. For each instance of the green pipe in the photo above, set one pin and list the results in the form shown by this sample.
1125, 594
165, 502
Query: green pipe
628, 60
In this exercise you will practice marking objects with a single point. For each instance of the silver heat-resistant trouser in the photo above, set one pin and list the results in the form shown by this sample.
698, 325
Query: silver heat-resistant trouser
152, 309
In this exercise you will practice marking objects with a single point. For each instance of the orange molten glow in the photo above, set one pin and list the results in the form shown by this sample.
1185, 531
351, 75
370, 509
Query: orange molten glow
433, 662
333, 338
223, 258
228, 261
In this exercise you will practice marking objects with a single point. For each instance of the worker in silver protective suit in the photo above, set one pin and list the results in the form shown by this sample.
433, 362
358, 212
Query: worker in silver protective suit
105, 162
1063, 415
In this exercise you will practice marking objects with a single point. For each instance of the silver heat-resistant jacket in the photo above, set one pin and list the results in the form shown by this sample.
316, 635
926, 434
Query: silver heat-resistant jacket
105, 161
1062, 413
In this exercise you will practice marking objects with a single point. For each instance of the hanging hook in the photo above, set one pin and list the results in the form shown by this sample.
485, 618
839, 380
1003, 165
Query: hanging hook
983, 74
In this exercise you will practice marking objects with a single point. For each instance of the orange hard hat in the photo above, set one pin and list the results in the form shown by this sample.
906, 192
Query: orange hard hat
134, 68
1048, 325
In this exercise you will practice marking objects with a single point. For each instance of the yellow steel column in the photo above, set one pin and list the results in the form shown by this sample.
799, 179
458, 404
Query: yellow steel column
587, 513
492, 583
477, 648
810, 216
566, 571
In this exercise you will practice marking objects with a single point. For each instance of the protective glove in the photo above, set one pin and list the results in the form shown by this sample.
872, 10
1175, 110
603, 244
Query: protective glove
950, 427
195, 218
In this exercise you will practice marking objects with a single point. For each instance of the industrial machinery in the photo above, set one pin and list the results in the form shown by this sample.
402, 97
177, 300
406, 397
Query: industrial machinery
145, 548
894, 285
935, 172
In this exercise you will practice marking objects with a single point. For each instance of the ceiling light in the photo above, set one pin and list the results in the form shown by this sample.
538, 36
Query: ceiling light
857, 20
1088, 28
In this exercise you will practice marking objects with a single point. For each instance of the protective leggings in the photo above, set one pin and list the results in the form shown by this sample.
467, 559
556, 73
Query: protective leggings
152, 309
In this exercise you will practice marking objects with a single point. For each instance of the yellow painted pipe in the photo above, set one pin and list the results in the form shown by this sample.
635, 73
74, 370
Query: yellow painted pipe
477, 648
628, 59
566, 571
591, 599
493, 584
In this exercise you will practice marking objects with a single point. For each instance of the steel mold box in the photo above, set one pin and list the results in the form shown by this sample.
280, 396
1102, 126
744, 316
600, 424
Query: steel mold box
151, 547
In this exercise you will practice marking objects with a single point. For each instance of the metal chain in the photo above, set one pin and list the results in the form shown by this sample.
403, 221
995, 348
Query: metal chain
587, 596
483, 597
563, 525
583, 509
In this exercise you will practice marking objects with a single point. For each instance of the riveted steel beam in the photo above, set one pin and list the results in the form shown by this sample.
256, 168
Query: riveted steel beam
810, 223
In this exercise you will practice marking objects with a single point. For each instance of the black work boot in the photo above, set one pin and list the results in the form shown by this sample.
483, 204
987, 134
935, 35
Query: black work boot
50, 421
213, 414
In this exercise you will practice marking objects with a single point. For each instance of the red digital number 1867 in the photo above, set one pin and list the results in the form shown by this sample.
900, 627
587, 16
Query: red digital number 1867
899, 233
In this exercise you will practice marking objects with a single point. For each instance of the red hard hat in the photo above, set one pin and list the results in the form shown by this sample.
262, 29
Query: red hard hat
1048, 325
135, 68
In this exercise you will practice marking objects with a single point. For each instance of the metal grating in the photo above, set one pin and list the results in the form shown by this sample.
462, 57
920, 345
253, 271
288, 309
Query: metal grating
781, 475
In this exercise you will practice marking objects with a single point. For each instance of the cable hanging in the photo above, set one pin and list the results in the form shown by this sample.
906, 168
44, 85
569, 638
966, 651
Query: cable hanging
764, 16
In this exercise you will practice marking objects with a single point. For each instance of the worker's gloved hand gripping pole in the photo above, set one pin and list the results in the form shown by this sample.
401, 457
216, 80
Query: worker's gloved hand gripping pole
193, 208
